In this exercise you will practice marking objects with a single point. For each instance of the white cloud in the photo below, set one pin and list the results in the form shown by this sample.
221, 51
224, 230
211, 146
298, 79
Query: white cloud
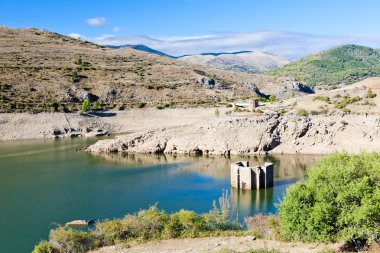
116, 29
99, 21
75, 35
291, 45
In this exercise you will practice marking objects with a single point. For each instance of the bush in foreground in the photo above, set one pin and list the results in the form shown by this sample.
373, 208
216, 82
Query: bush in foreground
148, 224
44, 247
339, 201
69, 240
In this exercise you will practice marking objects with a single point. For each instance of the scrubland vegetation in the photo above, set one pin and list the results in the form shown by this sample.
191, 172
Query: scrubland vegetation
345, 64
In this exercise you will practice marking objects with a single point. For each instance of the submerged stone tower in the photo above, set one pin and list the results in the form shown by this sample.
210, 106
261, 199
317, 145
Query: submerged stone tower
245, 177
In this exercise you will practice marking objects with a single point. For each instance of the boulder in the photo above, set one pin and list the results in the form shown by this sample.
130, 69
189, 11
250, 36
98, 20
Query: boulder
210, 83
293, 88
253, 87
83, 95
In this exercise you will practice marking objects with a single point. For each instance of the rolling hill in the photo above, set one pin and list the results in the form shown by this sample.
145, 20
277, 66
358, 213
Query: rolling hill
340, 65
46, 71
142, 48
245, 61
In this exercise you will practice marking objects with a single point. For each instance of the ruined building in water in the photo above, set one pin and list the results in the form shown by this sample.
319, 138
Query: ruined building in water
245, 177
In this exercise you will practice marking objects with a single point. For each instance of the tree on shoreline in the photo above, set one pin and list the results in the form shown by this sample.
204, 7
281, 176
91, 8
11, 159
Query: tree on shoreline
86, 106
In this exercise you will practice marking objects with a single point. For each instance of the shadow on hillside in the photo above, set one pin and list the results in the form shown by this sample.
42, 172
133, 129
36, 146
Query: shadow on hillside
101, 114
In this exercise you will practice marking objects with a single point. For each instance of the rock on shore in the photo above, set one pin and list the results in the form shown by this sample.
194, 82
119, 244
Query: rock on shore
255, 134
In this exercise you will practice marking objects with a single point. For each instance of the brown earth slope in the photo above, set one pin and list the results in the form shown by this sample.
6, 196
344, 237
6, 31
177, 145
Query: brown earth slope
343, 119
45, 71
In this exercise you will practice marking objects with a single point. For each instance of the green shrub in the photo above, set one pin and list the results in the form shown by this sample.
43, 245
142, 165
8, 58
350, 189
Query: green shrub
302, 112
4, 86
346, 101
228, 105
315, 112
141, 105
217, 112
69, 240
98, 106
81, 64
120, 107
145, 225
200, 102
78, 60
283, 112
110, 232
346, 110
237, 109
86, 106
371, 94
44, 247
186, 224
272, 98
152, 86
322, 98
339, 201
75, 77
164, 105
366, 102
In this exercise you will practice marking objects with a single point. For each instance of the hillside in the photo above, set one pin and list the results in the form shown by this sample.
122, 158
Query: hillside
45, 71
341, 65
250, 62
142, 48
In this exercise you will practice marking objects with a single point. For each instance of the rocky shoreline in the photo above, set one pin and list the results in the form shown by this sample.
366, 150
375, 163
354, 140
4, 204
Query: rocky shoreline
255, 134
199, 131
21, 126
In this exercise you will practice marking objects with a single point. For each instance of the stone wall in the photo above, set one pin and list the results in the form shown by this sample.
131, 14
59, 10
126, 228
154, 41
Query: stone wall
245, 177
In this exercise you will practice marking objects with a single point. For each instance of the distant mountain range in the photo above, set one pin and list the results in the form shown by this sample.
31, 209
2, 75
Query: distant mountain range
344, 64
244, 61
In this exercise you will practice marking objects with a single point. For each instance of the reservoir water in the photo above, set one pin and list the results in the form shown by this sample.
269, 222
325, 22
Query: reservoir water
45, 182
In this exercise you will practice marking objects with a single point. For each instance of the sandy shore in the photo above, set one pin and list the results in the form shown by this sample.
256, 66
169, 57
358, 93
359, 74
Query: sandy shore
218, 244
50, 125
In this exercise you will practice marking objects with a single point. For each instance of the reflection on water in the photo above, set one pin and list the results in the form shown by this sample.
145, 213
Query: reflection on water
249, 201
286, 166
47, 181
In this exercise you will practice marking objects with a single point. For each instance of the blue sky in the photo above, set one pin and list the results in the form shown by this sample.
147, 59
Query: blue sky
290, 28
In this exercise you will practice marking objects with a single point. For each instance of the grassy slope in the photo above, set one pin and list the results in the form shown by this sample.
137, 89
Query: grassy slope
345, 64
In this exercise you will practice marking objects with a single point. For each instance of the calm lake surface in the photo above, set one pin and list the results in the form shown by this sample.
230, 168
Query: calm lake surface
46, 182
